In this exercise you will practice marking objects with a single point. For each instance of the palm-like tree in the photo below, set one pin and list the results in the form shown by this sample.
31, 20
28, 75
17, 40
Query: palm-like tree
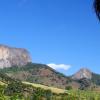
97, 8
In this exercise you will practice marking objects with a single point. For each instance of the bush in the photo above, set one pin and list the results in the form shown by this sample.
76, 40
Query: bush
68, 87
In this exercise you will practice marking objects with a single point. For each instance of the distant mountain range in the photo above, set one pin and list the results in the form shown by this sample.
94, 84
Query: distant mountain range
43, 74
16, 63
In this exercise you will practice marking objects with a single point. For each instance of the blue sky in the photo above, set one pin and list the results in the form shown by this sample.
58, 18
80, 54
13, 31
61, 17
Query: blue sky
54, 31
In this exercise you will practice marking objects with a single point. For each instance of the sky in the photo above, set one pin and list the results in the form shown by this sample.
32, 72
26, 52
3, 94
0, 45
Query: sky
64, 34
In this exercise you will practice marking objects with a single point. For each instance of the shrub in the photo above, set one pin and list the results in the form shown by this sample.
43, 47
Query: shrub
68, 87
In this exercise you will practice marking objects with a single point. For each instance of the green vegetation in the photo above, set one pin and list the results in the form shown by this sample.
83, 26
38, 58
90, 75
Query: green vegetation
84, 84
39, 74
53, 89
96, 78
16, 90
68, 88
85, 95
13, 89
43, 74
30, 67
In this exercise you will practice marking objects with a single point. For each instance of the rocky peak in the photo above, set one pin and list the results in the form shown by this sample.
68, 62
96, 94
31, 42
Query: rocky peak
10, 56
83, 73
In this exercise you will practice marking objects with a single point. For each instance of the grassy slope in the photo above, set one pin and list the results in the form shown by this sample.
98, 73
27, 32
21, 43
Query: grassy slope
1, 83
54, 90
73, 94
39, 74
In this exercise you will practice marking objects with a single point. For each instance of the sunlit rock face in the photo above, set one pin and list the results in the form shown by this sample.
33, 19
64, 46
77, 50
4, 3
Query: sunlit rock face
13, 56
83, 73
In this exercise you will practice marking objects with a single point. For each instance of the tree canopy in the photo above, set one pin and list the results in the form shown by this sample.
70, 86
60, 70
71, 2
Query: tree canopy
97, 8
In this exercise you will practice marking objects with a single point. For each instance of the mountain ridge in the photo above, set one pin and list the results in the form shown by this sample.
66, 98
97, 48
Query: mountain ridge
45, 75
17, 64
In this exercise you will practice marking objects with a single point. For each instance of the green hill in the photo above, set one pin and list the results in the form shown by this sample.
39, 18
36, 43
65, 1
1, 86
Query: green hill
45, 75
13, 89
38, 73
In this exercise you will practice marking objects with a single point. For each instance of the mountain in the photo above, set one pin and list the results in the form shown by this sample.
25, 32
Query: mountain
87, 74
45, 75
17, 64
11, 89
82, 73
86, 77
38, 73
10, 56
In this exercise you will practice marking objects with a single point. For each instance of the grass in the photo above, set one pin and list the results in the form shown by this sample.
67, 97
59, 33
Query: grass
1, 83
71, 94
53, 89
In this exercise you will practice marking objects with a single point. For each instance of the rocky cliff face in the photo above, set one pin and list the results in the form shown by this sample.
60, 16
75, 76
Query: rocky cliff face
13, 56
83, 73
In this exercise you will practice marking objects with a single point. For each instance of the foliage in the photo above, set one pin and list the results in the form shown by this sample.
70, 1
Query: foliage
37, 73
68, 88
97, 8
84, 83
96, 78
14, 87
16, 90
41, 94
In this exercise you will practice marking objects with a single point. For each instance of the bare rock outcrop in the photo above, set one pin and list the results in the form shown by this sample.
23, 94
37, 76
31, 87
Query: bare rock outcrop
83, 73
10, 56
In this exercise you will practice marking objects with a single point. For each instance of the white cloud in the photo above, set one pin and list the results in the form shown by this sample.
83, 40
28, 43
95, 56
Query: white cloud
59, 66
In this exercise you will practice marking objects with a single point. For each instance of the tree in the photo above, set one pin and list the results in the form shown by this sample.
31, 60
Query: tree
85, 84
97, 8
48, 94
14, 87
68, 87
